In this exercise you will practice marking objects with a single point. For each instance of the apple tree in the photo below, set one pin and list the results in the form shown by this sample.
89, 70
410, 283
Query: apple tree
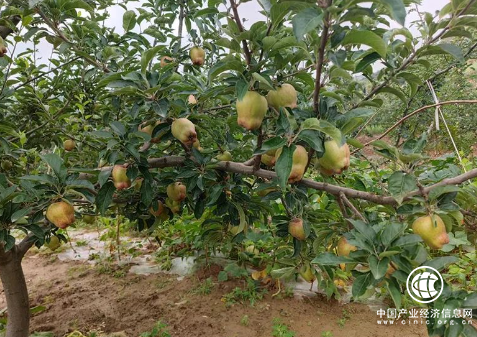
189, 108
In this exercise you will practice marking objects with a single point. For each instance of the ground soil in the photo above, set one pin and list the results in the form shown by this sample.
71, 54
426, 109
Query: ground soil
77, 296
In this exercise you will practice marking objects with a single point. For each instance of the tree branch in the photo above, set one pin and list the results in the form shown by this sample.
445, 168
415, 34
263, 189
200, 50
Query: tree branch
25, 245
248, 55
240, 168
351, 206
320, 61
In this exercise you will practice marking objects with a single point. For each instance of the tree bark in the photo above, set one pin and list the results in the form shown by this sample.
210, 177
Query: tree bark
16, 293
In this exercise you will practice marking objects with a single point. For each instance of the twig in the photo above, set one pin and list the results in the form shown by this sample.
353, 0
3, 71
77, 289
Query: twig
342, 207
352, 207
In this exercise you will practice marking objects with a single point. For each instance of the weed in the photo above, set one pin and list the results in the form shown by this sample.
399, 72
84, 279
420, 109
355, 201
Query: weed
205, 288
327, 334
81, 243
251, 293
159, 330
345, 316
281, 330
108, 268
244, 320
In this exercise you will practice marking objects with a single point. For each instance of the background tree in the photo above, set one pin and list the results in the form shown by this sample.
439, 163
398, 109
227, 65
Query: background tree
263, 143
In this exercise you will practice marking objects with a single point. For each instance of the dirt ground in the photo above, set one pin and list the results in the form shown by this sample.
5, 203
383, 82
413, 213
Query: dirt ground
78, 297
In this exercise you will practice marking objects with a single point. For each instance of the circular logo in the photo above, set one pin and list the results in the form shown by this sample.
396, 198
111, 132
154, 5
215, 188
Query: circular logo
425, 284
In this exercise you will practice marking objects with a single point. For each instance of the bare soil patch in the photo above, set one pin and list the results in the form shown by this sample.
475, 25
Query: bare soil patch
78, 297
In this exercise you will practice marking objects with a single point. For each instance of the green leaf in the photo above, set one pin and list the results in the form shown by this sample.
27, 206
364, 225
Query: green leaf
229, 62
354, 142
41, 179
241, 88
469, 331
262, 80
73, 4
271, 144
395, 92
325, 127
391, 232
440, 190
360, 285
378, 267
280, 10
243, 218
9, 243
56, 164
20, 214
105, 197
306, 21
453, 50
470, 301
118, 128
129, 20
400, 184
405, 240
104, 176
365, 229
283, 273
330, 259
398, 10
395, 292
147, 56
367, 38
440, 263
284, 165
312, 138
147, 193
353, 119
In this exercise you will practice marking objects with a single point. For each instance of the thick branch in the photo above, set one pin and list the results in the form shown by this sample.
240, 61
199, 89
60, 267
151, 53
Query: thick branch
241, 168
25, 245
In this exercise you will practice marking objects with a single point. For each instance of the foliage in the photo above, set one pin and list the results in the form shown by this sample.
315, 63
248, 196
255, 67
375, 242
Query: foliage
105, 86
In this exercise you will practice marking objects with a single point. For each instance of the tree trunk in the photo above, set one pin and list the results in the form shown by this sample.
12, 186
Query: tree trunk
16, 293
